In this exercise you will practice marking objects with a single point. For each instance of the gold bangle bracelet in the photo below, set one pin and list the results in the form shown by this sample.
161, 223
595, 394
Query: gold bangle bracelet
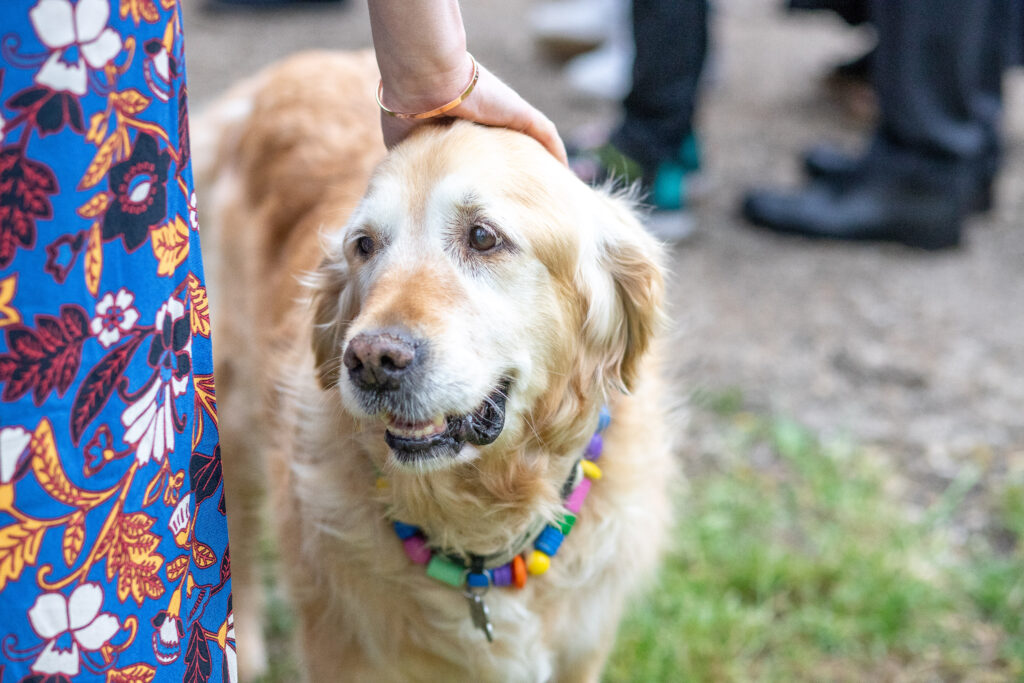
433, 112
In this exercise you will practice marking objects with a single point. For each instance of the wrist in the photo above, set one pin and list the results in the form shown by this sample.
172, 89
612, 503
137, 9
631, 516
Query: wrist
439, 110
425, 84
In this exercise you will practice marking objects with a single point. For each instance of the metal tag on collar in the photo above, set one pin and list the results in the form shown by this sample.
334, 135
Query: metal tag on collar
479, 613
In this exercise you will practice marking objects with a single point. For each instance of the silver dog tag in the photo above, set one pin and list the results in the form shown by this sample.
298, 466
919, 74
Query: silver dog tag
480, 614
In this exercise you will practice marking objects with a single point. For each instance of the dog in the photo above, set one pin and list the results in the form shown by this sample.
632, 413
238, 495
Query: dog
420, 346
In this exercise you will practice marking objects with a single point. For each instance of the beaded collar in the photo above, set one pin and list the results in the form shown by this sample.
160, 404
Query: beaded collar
475, 578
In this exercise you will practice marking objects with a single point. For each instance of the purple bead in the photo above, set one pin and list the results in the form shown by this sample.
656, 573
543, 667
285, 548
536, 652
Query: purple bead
594, 448
502, 576
575, 500
417, 549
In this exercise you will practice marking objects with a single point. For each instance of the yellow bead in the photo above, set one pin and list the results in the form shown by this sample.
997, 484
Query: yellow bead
591, 470
538, 562
382, 483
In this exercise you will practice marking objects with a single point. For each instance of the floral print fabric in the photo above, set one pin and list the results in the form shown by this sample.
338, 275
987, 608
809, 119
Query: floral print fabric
113, 542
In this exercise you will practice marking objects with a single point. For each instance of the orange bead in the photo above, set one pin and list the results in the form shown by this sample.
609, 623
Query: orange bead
518, 571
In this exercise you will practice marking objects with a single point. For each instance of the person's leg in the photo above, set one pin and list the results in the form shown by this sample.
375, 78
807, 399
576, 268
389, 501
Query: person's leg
671, 43
937, 122
928, 76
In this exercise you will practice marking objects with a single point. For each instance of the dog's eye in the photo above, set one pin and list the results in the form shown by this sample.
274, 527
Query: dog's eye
482, 239
365, 246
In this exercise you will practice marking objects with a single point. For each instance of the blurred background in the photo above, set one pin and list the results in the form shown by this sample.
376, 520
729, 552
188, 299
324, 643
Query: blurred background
854, 443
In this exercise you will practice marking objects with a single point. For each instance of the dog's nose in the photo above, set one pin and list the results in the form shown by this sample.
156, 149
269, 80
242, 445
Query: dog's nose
379, 360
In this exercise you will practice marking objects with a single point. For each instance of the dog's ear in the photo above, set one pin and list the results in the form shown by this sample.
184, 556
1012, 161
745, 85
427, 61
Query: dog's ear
333, 309
625, 293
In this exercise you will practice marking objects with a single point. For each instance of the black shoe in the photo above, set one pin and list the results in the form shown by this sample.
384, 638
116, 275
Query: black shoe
833, 165
875, 211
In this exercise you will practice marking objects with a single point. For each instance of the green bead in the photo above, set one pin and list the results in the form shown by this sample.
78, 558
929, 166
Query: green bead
446, 571
565, 524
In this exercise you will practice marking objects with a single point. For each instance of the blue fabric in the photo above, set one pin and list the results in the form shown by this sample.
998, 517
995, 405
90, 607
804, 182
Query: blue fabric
113, 540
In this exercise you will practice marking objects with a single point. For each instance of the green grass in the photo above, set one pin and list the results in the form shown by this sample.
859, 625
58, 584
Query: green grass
806, 568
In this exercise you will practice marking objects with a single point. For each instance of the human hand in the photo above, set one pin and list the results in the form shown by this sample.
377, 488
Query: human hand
491, 103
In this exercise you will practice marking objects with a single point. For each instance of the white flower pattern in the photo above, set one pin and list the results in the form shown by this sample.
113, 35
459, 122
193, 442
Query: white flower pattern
13, 444
115, 317
150, 420
69, 625
77, 35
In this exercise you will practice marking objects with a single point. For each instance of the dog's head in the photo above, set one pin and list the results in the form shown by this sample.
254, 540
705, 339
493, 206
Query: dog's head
480, 293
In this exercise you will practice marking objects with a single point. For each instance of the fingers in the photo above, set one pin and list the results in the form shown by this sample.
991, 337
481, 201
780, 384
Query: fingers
543, 130
501, 106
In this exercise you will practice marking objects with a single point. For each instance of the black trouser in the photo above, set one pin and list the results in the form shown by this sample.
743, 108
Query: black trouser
671, 39
938, 76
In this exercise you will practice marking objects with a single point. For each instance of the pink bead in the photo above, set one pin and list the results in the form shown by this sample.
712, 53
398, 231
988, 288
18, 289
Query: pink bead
417, 550
575, 500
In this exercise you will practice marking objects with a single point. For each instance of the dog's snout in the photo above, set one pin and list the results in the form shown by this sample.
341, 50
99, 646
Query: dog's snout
379, 360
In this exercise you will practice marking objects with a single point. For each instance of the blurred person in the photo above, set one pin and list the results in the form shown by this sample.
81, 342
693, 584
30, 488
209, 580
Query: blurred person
656, 144
112, 514
933, 156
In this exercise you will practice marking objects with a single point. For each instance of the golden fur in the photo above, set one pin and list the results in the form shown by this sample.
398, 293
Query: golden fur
568, 309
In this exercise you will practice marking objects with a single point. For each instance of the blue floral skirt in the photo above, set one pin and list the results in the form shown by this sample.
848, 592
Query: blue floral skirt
113, 541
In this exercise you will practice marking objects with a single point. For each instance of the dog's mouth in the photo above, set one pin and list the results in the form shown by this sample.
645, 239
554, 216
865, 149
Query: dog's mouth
445, 435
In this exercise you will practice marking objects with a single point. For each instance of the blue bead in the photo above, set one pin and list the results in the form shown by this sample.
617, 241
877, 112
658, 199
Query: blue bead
594, 448
404, 530
477, 580
603, 419
549, 541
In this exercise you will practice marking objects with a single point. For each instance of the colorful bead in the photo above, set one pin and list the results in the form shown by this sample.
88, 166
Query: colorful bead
416, 549
477, 580
502, 576
446, 571
538, 562
404, 530
575, 500
454, 573
566, 523
591, 470
518, 572
549, 541
382, 483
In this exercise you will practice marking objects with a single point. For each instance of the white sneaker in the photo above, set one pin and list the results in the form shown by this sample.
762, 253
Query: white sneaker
585, 24
605, 73
670, 227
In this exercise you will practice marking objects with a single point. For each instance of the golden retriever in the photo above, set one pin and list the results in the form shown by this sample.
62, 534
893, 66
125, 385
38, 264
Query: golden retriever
429, 342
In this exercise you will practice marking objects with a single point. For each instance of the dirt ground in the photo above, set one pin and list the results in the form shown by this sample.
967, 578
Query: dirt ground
920, 356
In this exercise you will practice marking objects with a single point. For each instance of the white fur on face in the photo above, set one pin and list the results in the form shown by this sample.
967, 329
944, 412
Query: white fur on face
488, 322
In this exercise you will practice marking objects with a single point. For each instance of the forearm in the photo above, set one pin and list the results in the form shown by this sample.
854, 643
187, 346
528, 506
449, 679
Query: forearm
421, 51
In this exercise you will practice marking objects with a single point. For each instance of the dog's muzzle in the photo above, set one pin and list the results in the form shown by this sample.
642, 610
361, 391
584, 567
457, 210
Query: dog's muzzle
385, 366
